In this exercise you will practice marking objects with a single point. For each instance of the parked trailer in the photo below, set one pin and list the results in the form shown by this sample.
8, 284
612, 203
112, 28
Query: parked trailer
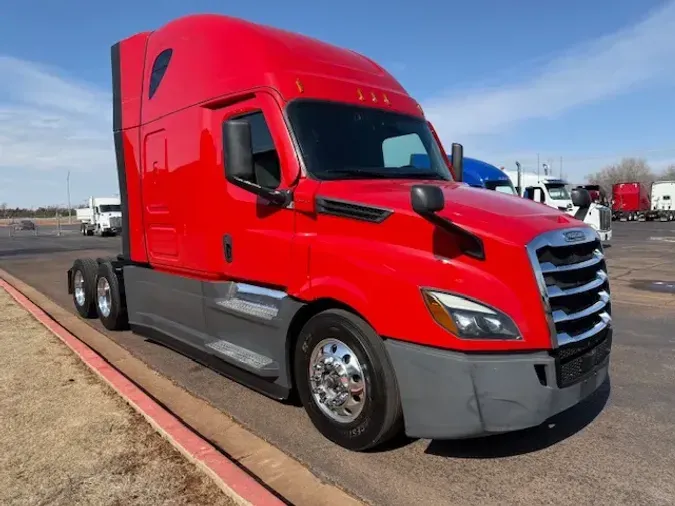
662, 196
631, 202
389, 298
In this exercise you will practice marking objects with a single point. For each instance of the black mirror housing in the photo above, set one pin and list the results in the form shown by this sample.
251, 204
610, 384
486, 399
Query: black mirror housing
458, 161
426, 199
238, 150
581, 197
239, 168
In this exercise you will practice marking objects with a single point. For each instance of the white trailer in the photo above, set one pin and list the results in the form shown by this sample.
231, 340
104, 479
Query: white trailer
662, 196
102, 216
554, 192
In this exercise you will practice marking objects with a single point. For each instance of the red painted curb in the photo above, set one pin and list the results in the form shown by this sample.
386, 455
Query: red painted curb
185, 440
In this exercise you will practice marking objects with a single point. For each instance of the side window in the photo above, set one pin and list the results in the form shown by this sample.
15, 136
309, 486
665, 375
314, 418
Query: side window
397, 151
266, 164
158, 70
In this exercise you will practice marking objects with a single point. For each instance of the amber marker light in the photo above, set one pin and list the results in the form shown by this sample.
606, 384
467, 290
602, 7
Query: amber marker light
360, 94
298, 83
439, 313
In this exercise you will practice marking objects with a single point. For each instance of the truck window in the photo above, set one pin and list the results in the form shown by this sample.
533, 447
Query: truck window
265, 157
396, 151
558, 192
158, 70
501, 186
341, 141
110, 208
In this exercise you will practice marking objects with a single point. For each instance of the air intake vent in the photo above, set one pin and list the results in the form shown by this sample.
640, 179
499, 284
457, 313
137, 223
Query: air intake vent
352, 210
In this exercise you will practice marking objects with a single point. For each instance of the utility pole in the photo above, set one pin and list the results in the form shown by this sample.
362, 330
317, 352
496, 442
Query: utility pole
561, 167
68, 190
537, 166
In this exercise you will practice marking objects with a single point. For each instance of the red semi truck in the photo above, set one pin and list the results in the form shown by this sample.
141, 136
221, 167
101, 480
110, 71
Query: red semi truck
275, 231
631, 202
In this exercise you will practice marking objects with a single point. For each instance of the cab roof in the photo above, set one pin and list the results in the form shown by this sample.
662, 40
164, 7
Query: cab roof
212, 56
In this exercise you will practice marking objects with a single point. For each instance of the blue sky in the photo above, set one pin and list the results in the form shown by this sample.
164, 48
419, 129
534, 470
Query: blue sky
588, 81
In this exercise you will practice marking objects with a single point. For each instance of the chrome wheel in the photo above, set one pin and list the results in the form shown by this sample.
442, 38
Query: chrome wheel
78, 282
336, 380
103, 296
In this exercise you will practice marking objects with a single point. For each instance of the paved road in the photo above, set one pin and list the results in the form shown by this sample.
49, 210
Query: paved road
617, 448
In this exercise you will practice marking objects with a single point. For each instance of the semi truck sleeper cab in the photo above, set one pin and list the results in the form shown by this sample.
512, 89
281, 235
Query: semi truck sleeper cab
388, 298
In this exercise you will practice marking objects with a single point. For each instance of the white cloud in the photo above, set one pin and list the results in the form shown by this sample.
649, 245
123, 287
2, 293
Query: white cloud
601, 69
50, 122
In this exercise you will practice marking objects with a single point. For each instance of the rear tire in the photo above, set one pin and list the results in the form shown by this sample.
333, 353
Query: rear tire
84, 286
111, 304
359, 359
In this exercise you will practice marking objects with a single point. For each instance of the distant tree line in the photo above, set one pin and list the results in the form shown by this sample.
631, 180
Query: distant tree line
629, 170
7, 212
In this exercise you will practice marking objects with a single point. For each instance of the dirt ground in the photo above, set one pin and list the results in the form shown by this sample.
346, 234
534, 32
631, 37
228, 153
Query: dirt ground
66, 438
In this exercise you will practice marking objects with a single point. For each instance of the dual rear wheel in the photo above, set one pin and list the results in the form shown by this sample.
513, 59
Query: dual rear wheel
98, 292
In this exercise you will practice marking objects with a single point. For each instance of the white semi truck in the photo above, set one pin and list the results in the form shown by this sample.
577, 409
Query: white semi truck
102, 216
554, 192
663, 194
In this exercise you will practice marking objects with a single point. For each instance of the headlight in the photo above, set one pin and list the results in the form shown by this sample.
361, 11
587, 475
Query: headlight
468, 319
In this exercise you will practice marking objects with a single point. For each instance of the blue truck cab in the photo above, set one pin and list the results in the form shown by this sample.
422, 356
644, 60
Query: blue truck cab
476, 173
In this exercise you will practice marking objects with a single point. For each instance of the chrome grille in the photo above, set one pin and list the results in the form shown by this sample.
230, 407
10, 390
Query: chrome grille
116, 222
605, 218
572, 276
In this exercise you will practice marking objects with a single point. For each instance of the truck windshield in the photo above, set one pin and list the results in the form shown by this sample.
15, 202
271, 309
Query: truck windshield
558, 192
110, 208
341, 141
501, 186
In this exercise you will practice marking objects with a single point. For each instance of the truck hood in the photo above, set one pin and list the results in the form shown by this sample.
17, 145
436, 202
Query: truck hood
507, 218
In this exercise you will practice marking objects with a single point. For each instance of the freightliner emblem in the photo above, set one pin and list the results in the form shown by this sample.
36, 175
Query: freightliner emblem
574, 235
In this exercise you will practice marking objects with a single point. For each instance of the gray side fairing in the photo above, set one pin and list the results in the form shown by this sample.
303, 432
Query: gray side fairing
239, 330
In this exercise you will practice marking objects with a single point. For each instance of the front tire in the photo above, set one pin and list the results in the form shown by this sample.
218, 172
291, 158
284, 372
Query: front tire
111, 304
352, 373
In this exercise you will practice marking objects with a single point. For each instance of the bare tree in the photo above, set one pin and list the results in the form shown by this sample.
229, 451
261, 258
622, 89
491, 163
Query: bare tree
627, 170
668, 174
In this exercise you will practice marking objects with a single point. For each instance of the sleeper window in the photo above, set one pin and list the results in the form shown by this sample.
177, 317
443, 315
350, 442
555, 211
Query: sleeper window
158, 70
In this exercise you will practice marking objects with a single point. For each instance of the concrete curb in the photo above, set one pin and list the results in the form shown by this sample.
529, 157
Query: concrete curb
234, 482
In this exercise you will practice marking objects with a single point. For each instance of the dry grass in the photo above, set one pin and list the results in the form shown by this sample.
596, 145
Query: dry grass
66, 438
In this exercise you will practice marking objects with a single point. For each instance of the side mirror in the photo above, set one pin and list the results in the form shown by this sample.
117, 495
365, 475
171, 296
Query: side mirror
239, 169
238, 150
427, 199
581, 197
458, 161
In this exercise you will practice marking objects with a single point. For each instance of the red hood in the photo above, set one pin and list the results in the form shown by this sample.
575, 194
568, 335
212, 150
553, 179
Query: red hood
489, 213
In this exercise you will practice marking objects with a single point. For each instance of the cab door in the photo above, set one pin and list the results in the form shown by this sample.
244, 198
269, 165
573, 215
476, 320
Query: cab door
256, 235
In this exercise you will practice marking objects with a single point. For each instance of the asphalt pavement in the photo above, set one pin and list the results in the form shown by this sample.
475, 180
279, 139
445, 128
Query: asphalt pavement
616, 448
